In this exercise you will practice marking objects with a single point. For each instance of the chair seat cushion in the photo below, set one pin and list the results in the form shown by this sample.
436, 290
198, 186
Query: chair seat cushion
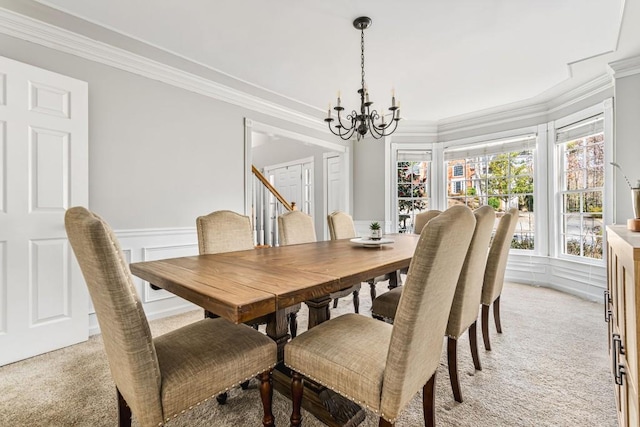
200, 360
348, 352
386, 304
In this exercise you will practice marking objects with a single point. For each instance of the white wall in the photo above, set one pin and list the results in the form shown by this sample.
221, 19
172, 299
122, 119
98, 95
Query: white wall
368, 180
627, 142
159, 156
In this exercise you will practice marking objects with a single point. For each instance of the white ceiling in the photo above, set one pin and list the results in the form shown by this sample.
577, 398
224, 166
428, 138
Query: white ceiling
444, 58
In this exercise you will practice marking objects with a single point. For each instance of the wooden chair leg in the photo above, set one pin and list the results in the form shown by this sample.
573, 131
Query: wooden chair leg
496, 314
335, 303
473, 343
296, 398
429, 402
372, 285
293, 324
124, 411
356, 301
266, 395
485, 327
452, 358
244, 385
384, 423
222, 398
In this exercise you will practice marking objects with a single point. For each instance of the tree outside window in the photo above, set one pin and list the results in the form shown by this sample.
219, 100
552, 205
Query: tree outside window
582, 196
502, 181
412, 197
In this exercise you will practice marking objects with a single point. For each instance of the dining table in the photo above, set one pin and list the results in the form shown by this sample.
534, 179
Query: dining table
245, 285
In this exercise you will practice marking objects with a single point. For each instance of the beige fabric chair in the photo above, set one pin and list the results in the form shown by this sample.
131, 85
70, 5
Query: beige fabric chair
341, 227
384, 307
296, 227
466, 301
494, 273
423, 218
227, 231
159, 378
402, 358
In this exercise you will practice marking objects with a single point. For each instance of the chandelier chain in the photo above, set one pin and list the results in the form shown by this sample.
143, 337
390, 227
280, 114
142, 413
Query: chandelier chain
362, 55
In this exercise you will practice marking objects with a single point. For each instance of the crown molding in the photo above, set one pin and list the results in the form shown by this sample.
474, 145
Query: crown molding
32, 30
625, 67
525, 109
416, 128
495, 116
573, 96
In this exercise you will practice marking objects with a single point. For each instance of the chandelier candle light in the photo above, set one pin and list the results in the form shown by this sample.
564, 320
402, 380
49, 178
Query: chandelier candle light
368, 120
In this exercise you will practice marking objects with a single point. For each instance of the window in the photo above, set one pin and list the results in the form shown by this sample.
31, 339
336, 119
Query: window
580, 148
498, 174
413, 183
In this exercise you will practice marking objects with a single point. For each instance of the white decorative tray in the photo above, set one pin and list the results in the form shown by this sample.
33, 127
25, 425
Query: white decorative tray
370, 243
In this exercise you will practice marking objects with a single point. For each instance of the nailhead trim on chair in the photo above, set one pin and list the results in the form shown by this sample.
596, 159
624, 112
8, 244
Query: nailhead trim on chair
217, 393
377, 412
383, 318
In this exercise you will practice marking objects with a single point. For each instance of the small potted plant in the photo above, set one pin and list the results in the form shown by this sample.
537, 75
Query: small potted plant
376, 232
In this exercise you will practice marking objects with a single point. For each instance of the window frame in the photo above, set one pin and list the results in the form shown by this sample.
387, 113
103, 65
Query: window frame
556, 159
539, 183
430, 185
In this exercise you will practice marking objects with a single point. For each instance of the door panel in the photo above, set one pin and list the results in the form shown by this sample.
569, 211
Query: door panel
43, 171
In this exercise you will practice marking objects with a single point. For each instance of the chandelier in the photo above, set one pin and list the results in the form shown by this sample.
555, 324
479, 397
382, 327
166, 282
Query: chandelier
368, 120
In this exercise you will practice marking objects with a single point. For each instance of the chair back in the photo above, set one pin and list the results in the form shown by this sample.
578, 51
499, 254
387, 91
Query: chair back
423, 309
464, 310
295, 227
224, 231
341, 226
423, 218
498, 255
125, 332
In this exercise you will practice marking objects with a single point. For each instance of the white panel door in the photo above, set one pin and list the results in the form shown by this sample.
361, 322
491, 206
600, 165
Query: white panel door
43, 171
335, 185
289, 183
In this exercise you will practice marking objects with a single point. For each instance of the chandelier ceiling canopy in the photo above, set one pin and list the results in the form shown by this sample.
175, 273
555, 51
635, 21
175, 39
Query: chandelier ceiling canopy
368, 120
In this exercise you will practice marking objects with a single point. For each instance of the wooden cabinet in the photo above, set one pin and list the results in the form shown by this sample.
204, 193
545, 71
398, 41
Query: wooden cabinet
621, 311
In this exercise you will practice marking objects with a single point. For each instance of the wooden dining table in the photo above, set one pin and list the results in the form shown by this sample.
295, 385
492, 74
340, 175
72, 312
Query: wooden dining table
245, 285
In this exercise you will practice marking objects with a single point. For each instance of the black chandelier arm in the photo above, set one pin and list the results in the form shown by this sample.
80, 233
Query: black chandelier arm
378, 131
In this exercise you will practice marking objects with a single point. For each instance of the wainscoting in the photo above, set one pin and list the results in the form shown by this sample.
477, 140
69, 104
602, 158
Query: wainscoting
149, 245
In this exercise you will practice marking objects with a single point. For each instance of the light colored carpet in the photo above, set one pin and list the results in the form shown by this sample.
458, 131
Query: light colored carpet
548, 368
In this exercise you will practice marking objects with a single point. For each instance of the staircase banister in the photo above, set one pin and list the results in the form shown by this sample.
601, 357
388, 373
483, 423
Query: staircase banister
288, 206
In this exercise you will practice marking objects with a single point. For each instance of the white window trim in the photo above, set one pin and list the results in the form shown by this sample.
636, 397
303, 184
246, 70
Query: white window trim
391, 179
555, 245
539, 180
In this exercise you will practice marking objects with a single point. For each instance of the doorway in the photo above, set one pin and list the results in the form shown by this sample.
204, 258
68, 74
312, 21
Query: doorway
266, 145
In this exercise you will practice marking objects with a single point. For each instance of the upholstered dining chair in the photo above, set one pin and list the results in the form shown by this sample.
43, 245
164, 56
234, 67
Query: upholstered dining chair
296, 227
227, 231
423, 218
159, 378
466, 301
384, 307
399, 359
341, 227
494, 273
